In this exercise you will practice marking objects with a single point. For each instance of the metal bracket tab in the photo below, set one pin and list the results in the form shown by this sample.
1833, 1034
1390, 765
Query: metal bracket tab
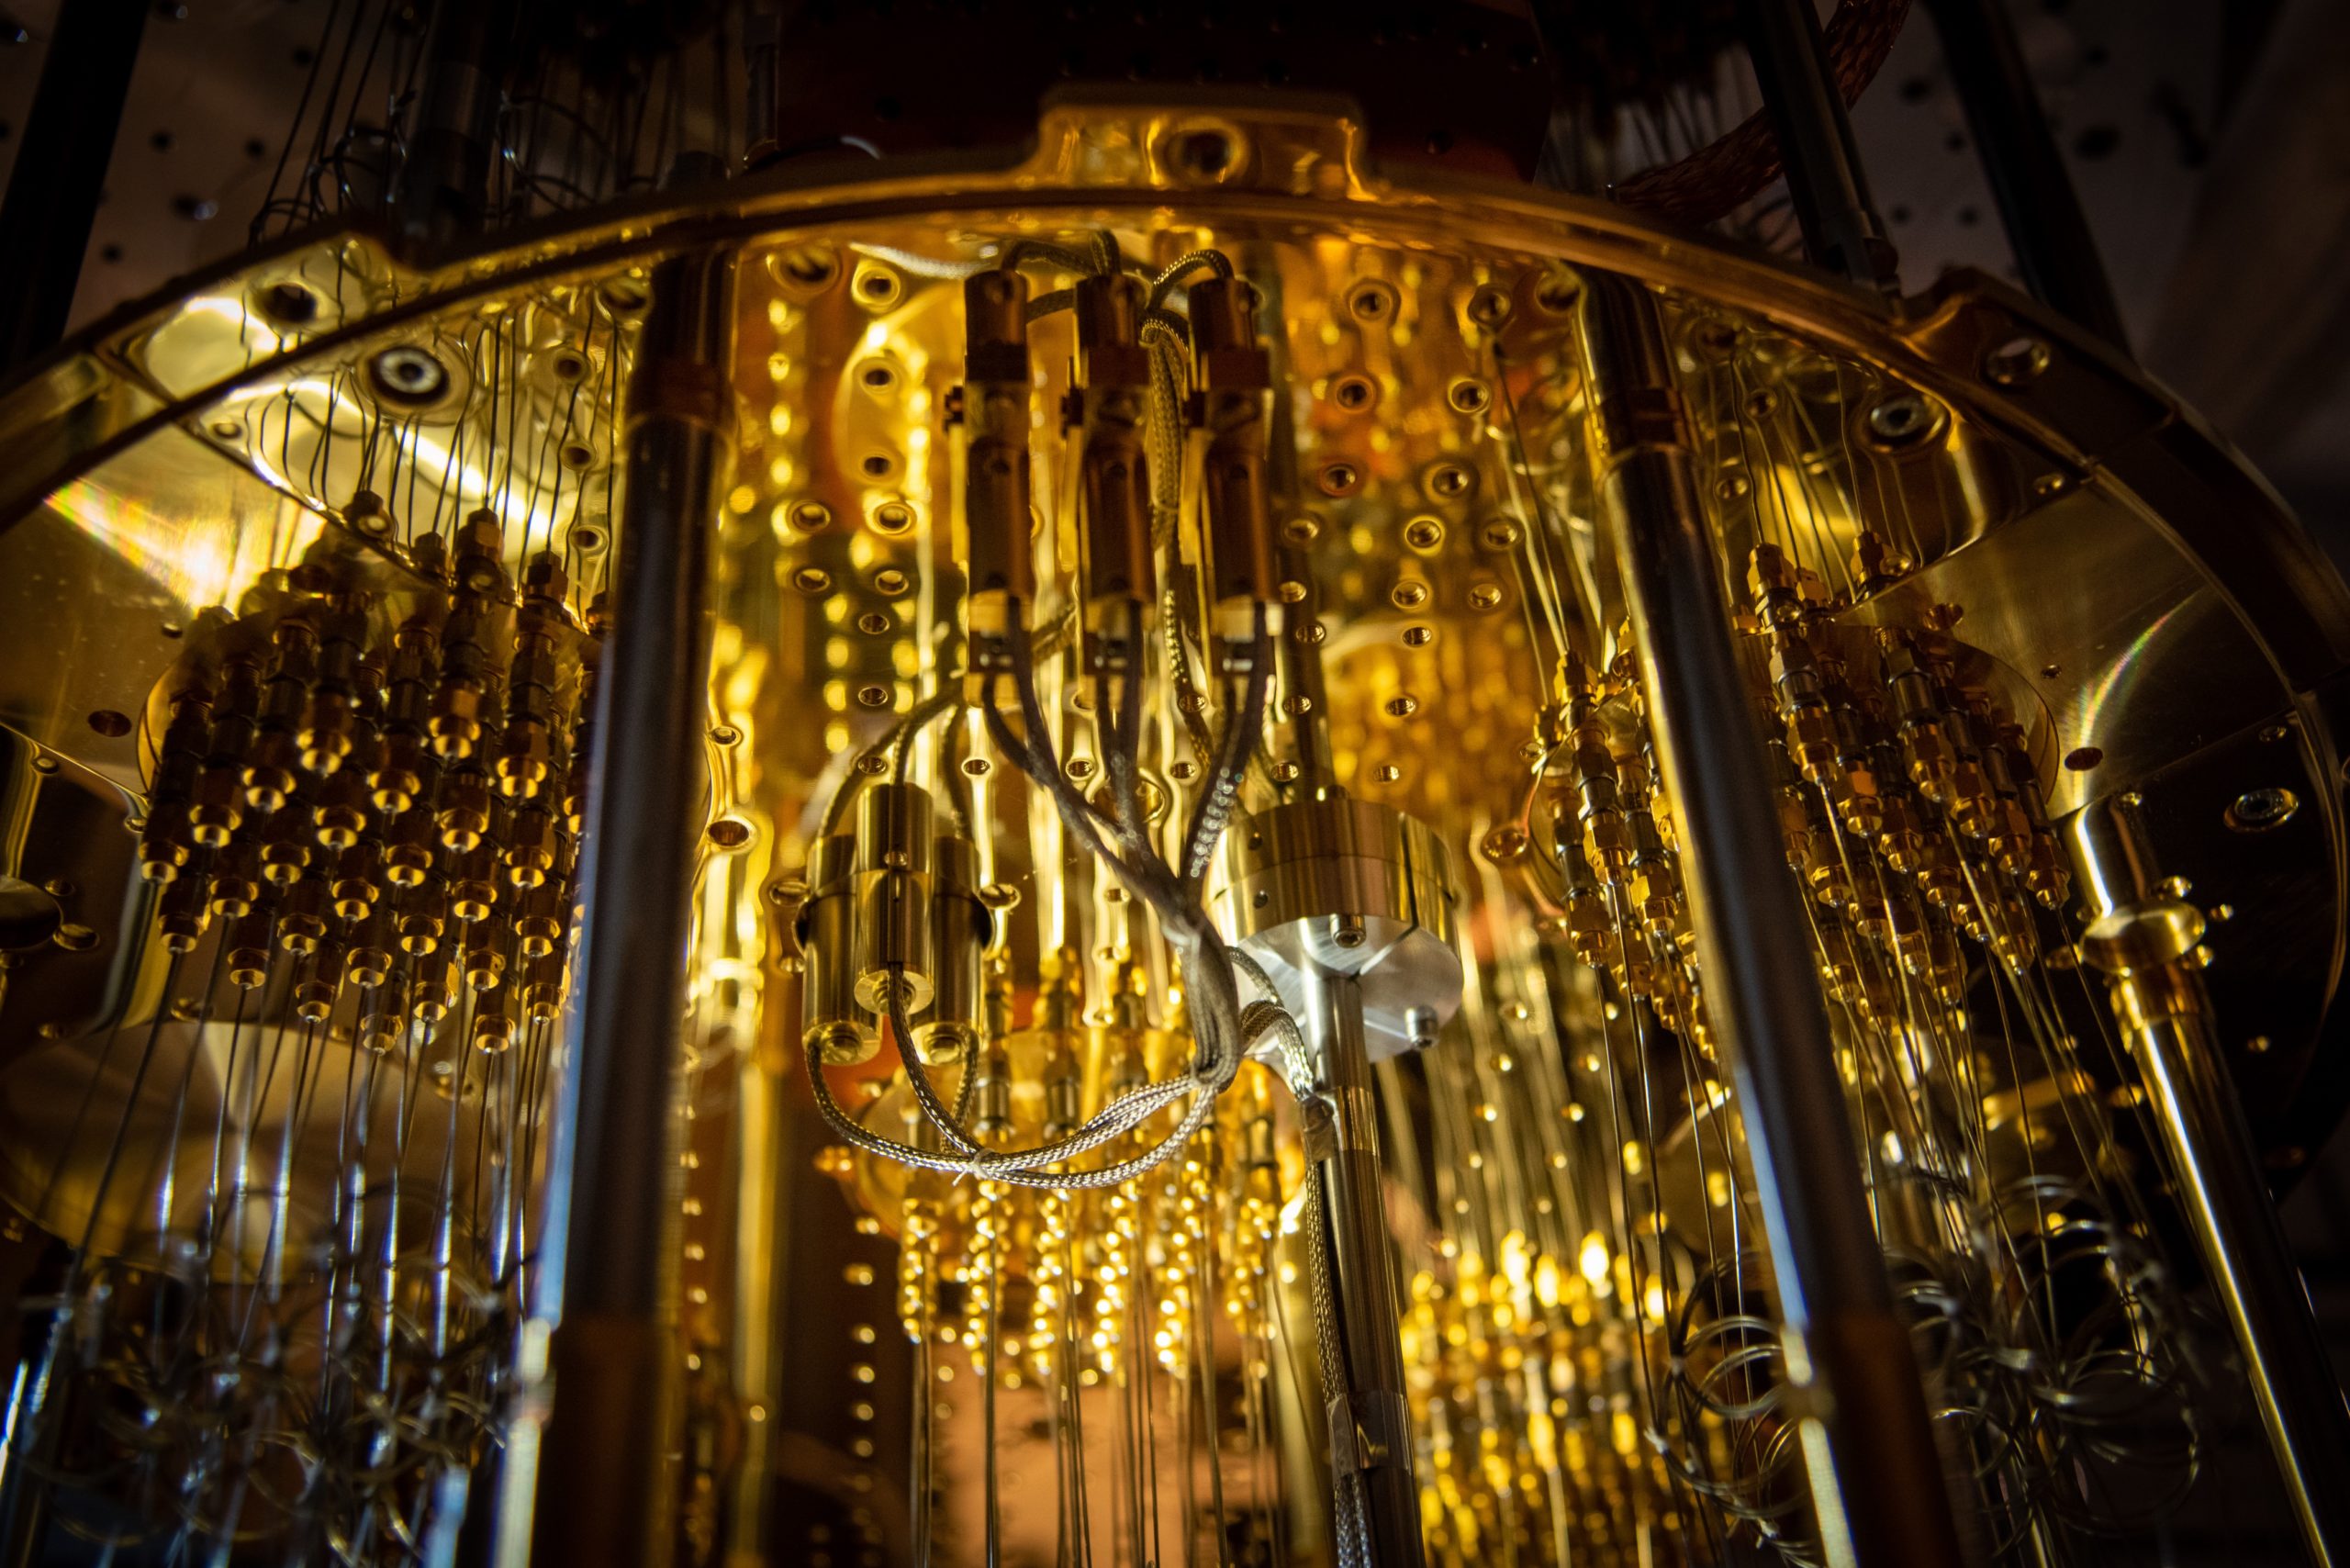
1368, 1431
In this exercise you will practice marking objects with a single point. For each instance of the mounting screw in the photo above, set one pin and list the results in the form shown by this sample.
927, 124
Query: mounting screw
2018, 362
2259, 810
1903, 419
406, 373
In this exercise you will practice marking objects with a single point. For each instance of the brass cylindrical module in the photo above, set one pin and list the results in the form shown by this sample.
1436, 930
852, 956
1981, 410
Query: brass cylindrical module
834, 1025
960, 927
1234, 374
893, 892
996, 505
1114, 373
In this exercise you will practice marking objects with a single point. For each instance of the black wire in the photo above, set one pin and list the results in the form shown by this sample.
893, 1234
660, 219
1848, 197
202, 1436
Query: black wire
1214, 805
1121, 738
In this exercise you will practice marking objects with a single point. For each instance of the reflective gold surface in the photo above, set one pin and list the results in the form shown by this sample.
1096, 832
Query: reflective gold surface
1589, 1326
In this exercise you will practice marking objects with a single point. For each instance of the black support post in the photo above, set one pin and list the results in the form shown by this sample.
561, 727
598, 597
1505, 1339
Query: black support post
61, 170
591, 1474
1841, 231
1858, 1405
2046, 228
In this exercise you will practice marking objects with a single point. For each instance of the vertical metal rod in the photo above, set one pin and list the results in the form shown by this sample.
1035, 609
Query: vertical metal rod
442, 193
61, 170
1371, 1429
2046, 230
762, 51
2145, 942
1876, 1479
594, 1444
1841, 230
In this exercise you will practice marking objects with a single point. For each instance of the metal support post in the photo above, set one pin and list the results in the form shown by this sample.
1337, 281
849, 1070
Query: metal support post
594, 1441
1876, 1479
1841, 231
442, 193
61, 169
2046, 230
1346, 906
2146, 942
1370, 1423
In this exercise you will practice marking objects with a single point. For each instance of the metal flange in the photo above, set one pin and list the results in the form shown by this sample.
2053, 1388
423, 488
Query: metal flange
1346, 887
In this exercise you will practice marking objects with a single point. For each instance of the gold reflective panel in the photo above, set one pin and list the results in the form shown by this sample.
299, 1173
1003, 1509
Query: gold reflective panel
1195, 837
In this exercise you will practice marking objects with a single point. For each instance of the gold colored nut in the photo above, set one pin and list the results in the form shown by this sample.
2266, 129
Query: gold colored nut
218, 810
532, 667
300, 932
526, 863
1795, 825
340, 823
1875, 560
542, 1000
492, 1033
420, 931
159, 855
283, 860
538, 934
455, 721
1930, 758
430, 991
464, 812
233, 893
545, 578
480, 533
1859, 804
1654, 895
368, 965
472, 899
314, 1001
397, 777
1769, 572
485, 967
405, 864
269, 770
248, 967
1824, 873
325, 736
183, 928
1587, 917
2010, 832
1607, 843
2045, 875
523, 759
1813, 741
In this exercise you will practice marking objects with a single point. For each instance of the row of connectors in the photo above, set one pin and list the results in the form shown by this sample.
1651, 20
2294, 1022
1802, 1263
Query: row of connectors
397, 813
1626, 910
1067, 1279
1909, 802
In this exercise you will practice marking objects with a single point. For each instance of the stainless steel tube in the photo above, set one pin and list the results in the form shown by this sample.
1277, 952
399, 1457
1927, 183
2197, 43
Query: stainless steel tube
594, 1443
1876, 1479
2145, 941
1371, 1443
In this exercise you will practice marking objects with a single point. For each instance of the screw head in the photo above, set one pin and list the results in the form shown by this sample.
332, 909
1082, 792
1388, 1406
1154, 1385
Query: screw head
2262, 809
406, 373
1904, 418
2018, 362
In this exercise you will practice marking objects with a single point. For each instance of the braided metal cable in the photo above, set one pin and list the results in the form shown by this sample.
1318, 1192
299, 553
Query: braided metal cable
1351, 1540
